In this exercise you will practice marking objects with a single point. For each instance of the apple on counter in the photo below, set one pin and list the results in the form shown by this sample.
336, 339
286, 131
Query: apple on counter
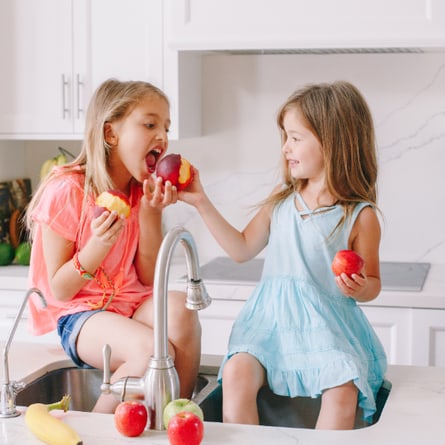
183, 420
185, 428
130, 418
348, 262
176, 169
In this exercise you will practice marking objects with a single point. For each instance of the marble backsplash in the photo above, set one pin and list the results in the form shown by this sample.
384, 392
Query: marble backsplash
238, 153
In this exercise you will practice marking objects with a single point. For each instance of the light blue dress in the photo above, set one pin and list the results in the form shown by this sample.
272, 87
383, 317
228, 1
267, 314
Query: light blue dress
306, 334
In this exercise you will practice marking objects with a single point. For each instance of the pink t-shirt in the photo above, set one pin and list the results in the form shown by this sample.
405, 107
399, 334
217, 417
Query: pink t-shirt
60, 208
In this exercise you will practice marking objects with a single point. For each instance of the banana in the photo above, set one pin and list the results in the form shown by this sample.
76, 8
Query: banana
48, 165
61, 159
48, 428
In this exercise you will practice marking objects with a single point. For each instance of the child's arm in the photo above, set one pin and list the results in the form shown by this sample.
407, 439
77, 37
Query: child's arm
65, 281
365, 240
239, 245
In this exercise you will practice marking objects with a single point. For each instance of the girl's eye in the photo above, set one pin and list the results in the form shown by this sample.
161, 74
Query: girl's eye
150, 125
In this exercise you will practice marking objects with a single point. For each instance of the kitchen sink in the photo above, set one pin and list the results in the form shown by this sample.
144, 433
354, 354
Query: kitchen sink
82, 384
299, 412
84, 387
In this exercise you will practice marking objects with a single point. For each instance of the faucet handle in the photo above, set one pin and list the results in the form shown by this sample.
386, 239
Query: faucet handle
8, 392
106, 387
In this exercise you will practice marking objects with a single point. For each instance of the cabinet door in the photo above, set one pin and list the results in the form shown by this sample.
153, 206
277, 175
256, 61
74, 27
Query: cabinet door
429, 337
10, 301
126, 40
36, 66
216, 323
393, 326
289, 24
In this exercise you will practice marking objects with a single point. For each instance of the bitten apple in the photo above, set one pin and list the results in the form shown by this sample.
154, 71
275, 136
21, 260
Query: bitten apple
348, 262
130, 418
112, 200
178, 406
185, 428
176, 169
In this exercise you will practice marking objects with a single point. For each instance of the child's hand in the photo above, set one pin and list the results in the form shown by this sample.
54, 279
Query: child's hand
194, 193
351, 286
158, 194
107, 226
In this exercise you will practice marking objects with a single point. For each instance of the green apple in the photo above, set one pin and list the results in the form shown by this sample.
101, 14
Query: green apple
178, 406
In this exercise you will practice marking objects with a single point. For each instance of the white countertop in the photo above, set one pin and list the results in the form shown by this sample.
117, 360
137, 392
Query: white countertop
413, 413
432, 295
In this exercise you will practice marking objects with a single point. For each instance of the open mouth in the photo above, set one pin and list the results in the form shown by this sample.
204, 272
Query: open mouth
152, 159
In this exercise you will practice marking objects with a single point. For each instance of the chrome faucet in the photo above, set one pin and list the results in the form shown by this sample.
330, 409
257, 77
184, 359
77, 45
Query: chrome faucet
10, 389
160, 384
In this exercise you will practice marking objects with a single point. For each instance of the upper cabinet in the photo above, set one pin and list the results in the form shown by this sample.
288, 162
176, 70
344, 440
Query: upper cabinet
301, 25
54, 53
41, 80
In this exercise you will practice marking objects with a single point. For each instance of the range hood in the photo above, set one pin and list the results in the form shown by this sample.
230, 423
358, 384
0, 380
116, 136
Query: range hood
321, 51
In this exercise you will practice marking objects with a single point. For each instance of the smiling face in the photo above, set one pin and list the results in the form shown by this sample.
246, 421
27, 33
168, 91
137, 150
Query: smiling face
301, 149
138, 140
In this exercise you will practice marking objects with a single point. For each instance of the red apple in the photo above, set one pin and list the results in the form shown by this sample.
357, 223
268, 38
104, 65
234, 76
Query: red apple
130, 418
98, 210
112, 200
179, 405
348, 262
185, 428
176, 169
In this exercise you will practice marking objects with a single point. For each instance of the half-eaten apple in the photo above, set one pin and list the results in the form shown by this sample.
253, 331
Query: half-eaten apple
176, 169
112, 200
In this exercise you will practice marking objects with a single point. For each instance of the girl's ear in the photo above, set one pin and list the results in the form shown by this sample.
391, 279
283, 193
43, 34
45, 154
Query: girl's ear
109, 135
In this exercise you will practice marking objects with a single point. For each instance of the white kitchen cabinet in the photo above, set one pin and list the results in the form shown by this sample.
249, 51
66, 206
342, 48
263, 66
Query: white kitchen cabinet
42, 80
59, 51
428, 337
216, 323
393, 326
10, 301
302, 24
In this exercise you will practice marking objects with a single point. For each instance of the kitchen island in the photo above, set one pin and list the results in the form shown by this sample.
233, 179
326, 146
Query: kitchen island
413, 413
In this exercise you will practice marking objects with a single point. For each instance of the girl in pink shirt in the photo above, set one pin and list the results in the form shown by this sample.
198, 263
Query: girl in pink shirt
97, 272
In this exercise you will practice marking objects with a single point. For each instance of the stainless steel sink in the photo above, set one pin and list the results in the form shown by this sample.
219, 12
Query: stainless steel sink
299, 412
82, 384
84, 387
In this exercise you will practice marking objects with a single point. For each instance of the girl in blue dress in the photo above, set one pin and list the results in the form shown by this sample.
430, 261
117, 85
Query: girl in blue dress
301, 332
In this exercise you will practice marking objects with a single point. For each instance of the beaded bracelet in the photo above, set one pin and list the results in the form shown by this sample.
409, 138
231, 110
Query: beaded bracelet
82, 272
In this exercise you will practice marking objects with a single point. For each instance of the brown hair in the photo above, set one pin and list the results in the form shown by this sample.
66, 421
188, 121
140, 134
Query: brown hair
338, 115
112, 100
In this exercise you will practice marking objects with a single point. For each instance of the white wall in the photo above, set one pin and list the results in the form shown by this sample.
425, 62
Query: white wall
238, 152
12, 160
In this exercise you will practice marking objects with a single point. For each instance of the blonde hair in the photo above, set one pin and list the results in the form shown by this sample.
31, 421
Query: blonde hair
338, 115
112, 101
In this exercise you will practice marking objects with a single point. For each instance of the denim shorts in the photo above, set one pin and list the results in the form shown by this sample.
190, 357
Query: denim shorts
68, 328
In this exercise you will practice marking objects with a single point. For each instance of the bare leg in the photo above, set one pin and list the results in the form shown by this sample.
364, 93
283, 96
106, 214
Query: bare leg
243, 376
131, 346
184, 334
338, 408
131, 341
